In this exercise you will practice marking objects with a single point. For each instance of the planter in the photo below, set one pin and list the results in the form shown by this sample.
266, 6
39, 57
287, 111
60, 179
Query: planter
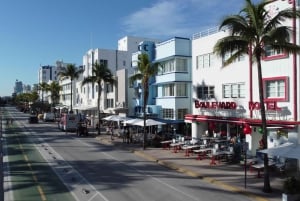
290, 197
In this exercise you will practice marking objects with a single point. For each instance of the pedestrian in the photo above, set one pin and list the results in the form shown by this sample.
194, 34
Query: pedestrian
111, 133
123, 134
127, 135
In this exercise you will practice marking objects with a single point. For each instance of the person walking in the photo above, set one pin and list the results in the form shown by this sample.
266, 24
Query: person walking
127, 135
124, 134
111, 133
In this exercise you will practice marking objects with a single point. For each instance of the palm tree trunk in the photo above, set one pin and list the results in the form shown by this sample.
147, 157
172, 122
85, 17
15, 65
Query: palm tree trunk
145, 133
98, 108
71, 109
267, 187
146, 94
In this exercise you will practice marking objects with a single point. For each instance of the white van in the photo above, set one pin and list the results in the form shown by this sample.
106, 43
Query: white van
69, 122
49, 116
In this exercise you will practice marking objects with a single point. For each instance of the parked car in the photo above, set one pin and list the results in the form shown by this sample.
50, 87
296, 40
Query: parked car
49, 116
33, 119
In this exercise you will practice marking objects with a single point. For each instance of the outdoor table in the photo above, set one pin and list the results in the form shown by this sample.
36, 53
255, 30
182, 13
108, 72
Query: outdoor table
260, 166
216, 156
166, 144
189, 148
176, 146
202, 152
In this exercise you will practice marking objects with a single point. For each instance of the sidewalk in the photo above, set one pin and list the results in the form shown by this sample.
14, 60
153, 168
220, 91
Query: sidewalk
231, 177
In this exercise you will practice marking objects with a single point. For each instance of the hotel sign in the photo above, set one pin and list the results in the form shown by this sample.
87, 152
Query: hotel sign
269, 106
233, 105
215, 105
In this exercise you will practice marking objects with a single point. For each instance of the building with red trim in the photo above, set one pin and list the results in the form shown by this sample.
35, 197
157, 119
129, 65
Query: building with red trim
226, 99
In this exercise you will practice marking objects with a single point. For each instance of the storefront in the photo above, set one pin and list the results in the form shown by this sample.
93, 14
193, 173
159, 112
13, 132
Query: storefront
237, 122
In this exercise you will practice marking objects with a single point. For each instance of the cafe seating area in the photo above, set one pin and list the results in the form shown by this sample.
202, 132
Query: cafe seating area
214, 149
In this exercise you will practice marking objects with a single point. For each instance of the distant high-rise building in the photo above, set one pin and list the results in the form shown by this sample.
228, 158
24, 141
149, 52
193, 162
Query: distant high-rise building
18, 89
50, 73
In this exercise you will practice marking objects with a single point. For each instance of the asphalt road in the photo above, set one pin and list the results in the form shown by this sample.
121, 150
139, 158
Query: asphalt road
93, 171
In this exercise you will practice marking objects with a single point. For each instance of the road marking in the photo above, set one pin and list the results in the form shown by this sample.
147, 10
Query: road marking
39, 188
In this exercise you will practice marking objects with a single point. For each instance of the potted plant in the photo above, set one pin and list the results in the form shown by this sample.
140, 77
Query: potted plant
291, 188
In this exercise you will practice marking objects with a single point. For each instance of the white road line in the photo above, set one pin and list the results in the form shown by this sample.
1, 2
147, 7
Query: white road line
111, 157
74, 188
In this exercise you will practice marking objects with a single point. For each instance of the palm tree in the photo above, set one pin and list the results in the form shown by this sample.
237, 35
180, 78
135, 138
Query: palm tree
43, 87
54, 89
250, 32
72, 72
146, 70
100, 74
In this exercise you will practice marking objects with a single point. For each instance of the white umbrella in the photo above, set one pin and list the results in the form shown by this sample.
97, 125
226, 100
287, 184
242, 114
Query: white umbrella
115, 118
286, 150
131, 121
110, 118
149, 122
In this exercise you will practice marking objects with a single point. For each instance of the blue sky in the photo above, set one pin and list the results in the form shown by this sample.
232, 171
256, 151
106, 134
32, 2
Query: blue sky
40, 32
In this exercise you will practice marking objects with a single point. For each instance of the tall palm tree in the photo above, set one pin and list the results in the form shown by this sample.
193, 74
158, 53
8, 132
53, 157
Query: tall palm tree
72, 72
43, 86
54, 89
146, 70
100, 74
250, 32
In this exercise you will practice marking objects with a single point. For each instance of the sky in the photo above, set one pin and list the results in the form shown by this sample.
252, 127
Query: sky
40, 32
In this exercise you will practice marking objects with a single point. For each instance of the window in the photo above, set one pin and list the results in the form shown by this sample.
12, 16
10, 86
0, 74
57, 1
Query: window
234, 90
109, 88
103, 62
228, 55
205, 92
181, 65
204, 61
168, 113
168, 90
181, 89
174, 65
271, 54
109, 103
181, 113
276, 88
178, 89
167, 67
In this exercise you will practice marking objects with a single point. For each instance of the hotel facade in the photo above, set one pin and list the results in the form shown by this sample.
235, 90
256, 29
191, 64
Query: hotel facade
226, 99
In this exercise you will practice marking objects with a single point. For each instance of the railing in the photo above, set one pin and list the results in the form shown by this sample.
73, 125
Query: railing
207, 32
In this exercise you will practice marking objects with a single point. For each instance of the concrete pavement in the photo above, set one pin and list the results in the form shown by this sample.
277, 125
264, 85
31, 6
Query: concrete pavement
228, 176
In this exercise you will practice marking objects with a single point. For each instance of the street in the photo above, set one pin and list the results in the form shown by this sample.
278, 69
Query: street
84, 169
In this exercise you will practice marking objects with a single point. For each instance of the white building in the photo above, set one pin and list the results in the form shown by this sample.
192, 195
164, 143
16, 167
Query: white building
114, 98
47, 74
225, 99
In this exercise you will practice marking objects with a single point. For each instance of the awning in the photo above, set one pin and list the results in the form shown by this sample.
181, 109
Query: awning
85, 107
238, 120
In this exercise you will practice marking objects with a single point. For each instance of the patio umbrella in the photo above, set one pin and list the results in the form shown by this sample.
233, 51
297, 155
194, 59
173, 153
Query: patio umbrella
115, 118
110, 118
131, 121
286, 150
149, 122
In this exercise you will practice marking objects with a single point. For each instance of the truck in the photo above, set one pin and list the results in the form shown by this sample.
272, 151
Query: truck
68, 122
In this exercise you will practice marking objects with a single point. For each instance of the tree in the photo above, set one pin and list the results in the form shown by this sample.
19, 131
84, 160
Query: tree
100, 74
146, 70
43, 87
54, 89
251, 31
72, 72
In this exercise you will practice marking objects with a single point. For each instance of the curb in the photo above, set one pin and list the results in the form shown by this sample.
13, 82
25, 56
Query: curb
183, 170
189, 172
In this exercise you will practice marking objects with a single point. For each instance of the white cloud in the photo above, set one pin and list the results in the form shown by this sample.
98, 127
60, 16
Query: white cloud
168, 18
